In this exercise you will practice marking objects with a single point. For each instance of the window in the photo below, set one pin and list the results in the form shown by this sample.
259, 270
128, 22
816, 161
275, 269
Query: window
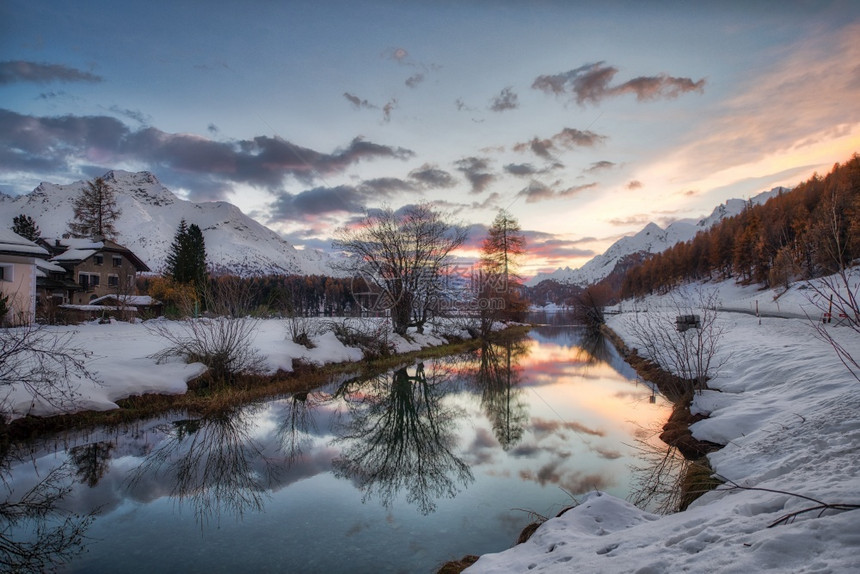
113, 280
88, 280
117, 261
5, 273
99, 259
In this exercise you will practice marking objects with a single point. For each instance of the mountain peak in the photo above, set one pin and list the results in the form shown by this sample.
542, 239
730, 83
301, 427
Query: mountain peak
650, 239
150, 215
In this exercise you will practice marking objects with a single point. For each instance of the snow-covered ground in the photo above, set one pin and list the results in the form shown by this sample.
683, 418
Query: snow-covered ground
120, 356
787, 410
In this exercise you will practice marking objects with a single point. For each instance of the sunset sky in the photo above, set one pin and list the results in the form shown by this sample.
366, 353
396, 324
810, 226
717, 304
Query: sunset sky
586, 120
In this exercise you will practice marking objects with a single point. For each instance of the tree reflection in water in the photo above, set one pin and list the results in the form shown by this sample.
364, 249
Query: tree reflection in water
593, 348
497, 377
36, 534
400, 438
293, 431
211, 464
91, 461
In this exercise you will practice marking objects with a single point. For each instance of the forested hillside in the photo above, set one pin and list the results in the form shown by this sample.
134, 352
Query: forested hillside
807, 232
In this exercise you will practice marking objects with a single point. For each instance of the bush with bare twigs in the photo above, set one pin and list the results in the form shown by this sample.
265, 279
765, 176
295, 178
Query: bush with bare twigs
691, 353
223, 344
301, 330
45, 363
372, 337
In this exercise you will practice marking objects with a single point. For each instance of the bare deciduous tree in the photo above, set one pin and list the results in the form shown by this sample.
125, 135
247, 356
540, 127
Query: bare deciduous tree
402, 254
691, 353
45, 363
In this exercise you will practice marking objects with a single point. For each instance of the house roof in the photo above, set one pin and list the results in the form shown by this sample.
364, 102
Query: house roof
135, 300
11, 242
76, 250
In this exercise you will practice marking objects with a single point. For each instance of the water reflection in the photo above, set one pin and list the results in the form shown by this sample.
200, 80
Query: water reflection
400, 437
36, 532
210, 464
296, 429
507, 426
497, 377
91, 461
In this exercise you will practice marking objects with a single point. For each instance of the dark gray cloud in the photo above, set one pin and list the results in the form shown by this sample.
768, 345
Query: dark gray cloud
521, 169
591, 83
359, 103
572, 137
538, 191
415, 79
56, 144
387, 186
475, 170
634, 184
352, 199
135, 115
529, 170
387, 109
600, 165
567, 138
432, 177
506, 100
317, 201
14, 71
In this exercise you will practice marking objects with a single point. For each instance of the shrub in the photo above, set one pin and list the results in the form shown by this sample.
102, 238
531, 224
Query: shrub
372, 337
223, 344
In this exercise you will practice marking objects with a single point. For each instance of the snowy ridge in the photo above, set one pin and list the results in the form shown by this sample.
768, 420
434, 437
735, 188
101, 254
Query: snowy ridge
652, 239
235, 243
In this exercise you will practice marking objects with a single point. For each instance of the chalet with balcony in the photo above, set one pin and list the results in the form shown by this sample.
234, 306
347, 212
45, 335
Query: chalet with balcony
82, 270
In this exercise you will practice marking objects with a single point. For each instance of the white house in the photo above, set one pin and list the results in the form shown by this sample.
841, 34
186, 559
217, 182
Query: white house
18, 276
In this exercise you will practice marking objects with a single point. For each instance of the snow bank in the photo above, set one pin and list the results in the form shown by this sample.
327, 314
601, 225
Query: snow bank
119, 356
786, 409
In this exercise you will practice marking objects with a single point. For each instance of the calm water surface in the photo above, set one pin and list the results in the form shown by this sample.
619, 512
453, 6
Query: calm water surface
394, 474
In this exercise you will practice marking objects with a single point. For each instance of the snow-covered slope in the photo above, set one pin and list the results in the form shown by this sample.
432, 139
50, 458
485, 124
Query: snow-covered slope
151, 213
652, 239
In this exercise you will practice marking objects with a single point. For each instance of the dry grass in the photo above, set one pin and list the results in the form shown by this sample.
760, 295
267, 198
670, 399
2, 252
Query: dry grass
206, 395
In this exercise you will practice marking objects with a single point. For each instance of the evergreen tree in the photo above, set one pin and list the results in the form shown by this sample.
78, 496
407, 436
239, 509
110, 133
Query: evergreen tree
25, 226
196, 255
95, 211
186, 261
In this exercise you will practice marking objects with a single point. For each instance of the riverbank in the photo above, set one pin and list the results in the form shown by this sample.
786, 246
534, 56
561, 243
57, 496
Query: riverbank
784, 407
129, 384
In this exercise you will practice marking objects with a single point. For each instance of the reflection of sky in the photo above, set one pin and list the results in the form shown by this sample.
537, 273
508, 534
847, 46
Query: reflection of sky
582, 417
579, 419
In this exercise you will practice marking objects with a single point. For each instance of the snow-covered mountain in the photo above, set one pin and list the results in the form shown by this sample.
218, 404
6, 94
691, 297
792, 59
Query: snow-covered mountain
652, 239
150, 215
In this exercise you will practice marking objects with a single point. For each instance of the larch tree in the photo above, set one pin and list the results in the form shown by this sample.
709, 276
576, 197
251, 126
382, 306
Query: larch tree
95, 211
500, 253
26, 227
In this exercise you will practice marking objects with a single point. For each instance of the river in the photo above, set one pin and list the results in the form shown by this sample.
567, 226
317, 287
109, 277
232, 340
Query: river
397, 473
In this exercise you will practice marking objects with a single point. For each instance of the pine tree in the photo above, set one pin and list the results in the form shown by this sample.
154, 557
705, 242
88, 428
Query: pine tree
186, 261
26, 227
95, 211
